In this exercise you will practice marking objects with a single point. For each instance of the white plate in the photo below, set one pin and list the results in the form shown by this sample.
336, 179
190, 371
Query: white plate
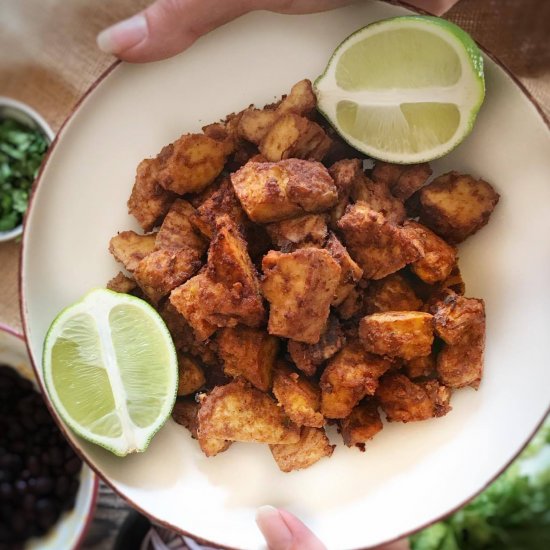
411, 474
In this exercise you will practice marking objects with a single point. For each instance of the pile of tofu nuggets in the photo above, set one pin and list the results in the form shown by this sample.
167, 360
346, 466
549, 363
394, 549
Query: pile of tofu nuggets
300, 289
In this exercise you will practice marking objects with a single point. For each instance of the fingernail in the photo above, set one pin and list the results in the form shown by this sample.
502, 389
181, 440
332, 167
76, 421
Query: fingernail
123, 35
273, 528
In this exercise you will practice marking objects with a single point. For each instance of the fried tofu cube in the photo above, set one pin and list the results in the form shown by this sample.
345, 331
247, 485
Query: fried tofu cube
344, 173
312, 446
439, 257
350, 375
307, 230
271, 192
129, 248
299, 287
149, 201
439, 395
454, 281
353, 305
248, 352
299, 397
392, 293
121, 283
177, 231
455, 315
378, 246
461, 364
403, 181
185, 412
255, 123
361, 425
239, 412
405, 334
308, 357
163, 270
402, 400
301, 100
455, 206
294, 136
190, 375
419, 367
378, 197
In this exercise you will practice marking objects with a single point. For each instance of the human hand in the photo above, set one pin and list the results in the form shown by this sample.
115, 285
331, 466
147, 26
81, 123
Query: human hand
168, 27
283, 531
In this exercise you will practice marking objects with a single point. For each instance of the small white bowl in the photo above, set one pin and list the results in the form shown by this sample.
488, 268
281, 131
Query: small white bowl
68, 533
11, 108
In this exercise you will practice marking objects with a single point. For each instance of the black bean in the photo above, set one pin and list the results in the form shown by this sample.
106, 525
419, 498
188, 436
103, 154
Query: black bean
33, 465
21, 486
62, 486
6, 491
18, 446
73, 465
73, 487
44, 485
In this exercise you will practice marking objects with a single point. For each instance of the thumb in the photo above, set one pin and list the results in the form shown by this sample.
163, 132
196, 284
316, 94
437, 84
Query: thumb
166, 28
283, 531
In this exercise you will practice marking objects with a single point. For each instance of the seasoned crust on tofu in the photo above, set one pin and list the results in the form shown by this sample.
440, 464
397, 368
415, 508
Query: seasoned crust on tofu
121, 283
405, 334
129, 248
239, 412
255, 123
301, 99
439, 258
308, 357
392, 293
300, 398
350, 272
307, 230
420, 367
403, 181
349, 376
271, 192
439, 395
378, 246
361, 425
299, 287
344, 173
149, 201
353, 305
177, 231
190, 375
163, 270
248, 352
191, 163
312, 446
455, 206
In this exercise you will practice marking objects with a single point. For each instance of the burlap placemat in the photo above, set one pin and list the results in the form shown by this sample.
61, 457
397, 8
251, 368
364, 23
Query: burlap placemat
48, 58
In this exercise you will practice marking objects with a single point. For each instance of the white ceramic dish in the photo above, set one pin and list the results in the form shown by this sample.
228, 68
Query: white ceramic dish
411, 474
70, 529
26, 115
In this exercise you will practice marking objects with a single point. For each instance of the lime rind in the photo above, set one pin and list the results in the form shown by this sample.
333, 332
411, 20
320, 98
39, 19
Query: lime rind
96, 303
464, 46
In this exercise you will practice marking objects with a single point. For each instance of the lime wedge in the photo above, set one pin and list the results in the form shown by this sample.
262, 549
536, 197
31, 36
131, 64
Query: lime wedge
111, 370
403, 90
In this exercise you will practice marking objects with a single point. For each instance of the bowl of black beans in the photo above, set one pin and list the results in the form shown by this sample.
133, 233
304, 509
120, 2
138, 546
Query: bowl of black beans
47, 495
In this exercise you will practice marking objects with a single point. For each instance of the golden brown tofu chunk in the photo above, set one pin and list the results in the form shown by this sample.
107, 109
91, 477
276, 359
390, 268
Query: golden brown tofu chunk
149, 201
177, 231
294, 136
361, 425
121, 283
405, 334
248, 352
299, 397
454, 282
378, 197
419, 367
312, 446
455, 315
271, 192
304, 231
378, 246
353, 305
190, 375
129, 248
163, 270
239, 412
191, 163
308, 357
439, 395
255, 123
350, 272
301, 100
461, 364
402, 400
185, 412
403, 181
344, 173
350, 375
392, 293
299, 287
439, 257
455, 206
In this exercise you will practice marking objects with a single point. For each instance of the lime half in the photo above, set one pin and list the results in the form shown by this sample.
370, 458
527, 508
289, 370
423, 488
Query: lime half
404, 90
111, 370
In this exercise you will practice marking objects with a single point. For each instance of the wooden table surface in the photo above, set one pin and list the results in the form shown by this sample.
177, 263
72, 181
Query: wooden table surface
48, 58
